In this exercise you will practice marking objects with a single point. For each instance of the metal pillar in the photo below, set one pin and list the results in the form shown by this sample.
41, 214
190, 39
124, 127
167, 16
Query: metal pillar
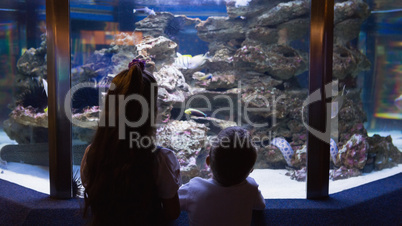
321, 47
58, 75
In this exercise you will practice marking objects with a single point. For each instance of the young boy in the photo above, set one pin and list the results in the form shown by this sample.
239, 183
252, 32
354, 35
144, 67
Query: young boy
229, 197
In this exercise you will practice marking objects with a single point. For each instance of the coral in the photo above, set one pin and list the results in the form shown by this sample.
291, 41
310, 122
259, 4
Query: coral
348, 61
215, 125
164, 24
257, 60
284, 12
299, 159
344, 173
24, 134
221, 28
299, 175
282, 62
270, 157
353, 154
187, 139
383, 152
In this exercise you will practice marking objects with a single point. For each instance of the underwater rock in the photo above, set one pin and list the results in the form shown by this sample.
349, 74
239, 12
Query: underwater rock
353, 154
217, 81
264, 35
269, 157
252, 9
88, 119
383, 152
347, 61
187, 139
172, 86
299, 175
221, 62
160, 48
254, 79
221, 28
171, 79
282, 62
215, 125
263, 99
24, 134
284, 12
29, 116
346, 31
293, 30
98, 64
33, 61
344, 173
351, 9
165, 24
172, 89
202, 98
124, 49
299, 159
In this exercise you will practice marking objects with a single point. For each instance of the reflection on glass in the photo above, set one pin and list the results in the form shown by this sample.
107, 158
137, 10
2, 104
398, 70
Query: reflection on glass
365, 52
23, 98
218, 64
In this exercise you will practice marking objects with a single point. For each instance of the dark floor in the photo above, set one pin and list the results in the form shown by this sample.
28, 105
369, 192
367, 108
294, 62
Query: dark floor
376, 203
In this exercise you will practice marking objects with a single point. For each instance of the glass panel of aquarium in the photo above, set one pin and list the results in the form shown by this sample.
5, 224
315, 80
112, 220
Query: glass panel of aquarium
24, 156
366, 137
218, 64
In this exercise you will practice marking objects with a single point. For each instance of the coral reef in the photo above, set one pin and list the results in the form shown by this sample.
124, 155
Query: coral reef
353, 154
382, 153
253, 77
344, 173
187, 139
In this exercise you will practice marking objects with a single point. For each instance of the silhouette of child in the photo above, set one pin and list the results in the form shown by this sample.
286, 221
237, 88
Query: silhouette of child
229, 197
127, 182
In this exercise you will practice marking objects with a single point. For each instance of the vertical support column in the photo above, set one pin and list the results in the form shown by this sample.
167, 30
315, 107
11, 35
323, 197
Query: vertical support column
321, 47
58, 74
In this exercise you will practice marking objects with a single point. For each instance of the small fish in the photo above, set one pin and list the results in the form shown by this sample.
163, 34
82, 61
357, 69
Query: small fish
190, 62
206, 77
145, 10
398, 102
45, 85
192, 111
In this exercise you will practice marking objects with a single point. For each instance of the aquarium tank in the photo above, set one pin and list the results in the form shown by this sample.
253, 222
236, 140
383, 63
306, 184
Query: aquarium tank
218, 63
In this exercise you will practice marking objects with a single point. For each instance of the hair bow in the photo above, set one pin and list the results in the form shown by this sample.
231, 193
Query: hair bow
138, 62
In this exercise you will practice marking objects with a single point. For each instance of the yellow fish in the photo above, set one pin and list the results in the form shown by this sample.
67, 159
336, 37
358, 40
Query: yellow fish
192, 111
206, 77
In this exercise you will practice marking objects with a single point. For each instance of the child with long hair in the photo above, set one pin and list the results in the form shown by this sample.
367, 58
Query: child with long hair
126, 181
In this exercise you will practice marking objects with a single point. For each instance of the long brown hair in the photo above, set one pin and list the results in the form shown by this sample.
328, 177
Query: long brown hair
120, 182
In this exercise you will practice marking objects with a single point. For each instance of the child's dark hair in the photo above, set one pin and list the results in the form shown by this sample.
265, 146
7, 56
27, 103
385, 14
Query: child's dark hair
233, 156
120, 177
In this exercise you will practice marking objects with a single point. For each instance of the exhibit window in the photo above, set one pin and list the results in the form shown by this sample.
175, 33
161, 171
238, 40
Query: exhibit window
252, 64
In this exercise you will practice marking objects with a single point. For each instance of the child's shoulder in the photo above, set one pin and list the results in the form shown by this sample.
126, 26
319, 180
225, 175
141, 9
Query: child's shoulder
162, 152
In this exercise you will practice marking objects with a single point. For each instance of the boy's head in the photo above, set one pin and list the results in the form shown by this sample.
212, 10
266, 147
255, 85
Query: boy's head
232, 157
